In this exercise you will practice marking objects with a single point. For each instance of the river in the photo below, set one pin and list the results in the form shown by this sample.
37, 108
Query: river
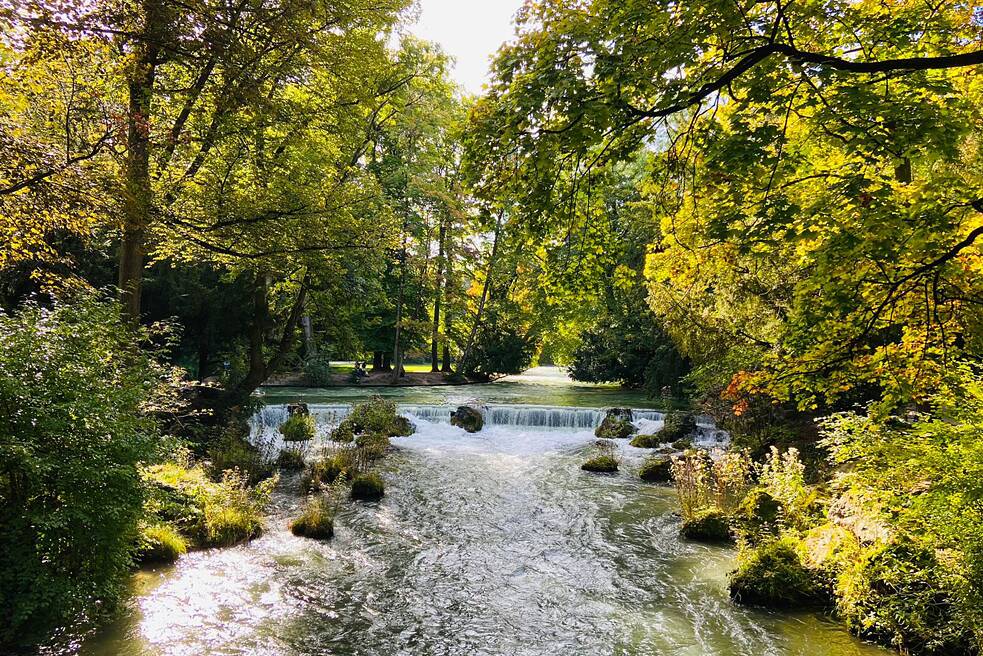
494, 543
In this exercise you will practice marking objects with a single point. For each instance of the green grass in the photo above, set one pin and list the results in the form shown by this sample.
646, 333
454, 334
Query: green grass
345, 368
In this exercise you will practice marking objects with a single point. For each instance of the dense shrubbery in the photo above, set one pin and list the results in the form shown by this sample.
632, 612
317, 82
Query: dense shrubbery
298, 427
368, 487
76, 399
208, 513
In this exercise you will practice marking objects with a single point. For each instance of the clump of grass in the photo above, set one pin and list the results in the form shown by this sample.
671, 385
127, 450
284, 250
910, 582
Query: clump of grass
367, 487
316, 521
160, 543
774, 575
298, 428
234, 511
292, 458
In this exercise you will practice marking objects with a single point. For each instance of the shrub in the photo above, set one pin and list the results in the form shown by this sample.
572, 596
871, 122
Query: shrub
318, 370
233, 450
902, 595
77, 400
704, 481
367, 487
773, 574
234, 511
316, 521
298, 428
291, 459
210, 513
602, 463
160, 543
758, 515
707, 525
657, 469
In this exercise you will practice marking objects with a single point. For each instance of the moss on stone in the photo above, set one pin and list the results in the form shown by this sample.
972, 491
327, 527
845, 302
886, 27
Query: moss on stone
647, 441
656, 469
676, 425
368, 487
708, 525
616, 424
602, 463
316, 521
773, 574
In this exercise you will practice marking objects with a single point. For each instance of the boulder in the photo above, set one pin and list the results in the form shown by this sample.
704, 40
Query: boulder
616, 425
677, 425
367, 487
604, 464
657, 469
468, 418
647, 441
297, 409
709, 525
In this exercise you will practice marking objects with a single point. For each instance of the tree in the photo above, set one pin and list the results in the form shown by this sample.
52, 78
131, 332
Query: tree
820, 210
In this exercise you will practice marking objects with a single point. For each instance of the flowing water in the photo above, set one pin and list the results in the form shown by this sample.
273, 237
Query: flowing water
494, 543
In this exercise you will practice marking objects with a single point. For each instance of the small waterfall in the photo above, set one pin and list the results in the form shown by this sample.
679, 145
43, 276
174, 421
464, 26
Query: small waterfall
269, 417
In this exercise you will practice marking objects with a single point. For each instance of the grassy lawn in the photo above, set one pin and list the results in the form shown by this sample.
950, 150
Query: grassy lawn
345, 367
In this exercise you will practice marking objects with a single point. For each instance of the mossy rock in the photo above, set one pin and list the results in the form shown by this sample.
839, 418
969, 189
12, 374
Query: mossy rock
298, 428
773, 574
676, 425
160, 543
682, 444
710, 525
316, 521
657, 469
468, 418
759, 514
616, 424
326, 470
647, 441
368, 487
604, 464
375, 416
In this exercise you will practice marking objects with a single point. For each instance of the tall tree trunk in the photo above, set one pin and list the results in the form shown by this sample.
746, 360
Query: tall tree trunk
438, 289
397, 347
464, 366
138, 199
376, 361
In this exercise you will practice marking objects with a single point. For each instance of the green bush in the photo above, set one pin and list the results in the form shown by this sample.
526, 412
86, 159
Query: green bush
368, 487
318, 370
291, 459
77, 400
232, 450
316, 521
298, 428
758, 515
773, 574
210, 513
902, 595
602, 463
160, 543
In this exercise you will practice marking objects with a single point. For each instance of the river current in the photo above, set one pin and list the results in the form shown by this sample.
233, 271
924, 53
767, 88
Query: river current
493, 543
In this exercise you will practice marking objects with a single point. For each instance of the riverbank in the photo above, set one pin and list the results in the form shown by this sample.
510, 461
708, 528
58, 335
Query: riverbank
342, 377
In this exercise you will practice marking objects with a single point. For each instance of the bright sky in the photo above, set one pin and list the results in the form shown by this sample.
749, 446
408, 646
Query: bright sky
470, 31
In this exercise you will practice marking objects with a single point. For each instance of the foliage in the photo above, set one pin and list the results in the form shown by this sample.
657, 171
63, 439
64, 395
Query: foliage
160, 543
292, 458
298, 427
774, 575
375, 416
77, 397
209, 513
232, 450
316, 520
647, 441
318, 369
367, 487
715, 481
